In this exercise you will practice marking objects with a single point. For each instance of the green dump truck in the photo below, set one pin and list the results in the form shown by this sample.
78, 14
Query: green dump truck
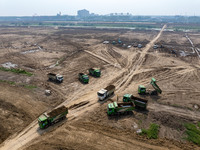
119, 108
83, 78
54, 116
139, 102
142, 89
95, 72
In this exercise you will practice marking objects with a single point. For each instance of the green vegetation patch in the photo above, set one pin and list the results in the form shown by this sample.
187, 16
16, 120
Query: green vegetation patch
193, 133
9, 82
29, 86
18, 71
152, 132
23, 85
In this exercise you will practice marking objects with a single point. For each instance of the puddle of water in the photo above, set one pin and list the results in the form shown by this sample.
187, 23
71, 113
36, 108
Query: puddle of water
9, 65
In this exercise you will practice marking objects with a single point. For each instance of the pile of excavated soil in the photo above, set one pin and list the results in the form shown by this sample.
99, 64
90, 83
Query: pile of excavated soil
16, 109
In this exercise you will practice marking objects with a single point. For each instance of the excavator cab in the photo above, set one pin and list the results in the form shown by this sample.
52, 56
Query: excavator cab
141, 89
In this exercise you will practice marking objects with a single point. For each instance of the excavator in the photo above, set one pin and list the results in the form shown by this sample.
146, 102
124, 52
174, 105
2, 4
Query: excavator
143, 91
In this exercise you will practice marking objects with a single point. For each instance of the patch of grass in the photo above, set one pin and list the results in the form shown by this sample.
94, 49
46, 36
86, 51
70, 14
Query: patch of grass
198, 124
9, 82
193, 134
176, 105
14, 83
18, 71
30, 86
152, 132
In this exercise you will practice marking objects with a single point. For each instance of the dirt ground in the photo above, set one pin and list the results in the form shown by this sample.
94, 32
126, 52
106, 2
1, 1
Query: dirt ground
69, 51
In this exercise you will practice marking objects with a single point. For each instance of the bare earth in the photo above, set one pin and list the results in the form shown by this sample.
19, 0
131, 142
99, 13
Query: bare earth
87, 126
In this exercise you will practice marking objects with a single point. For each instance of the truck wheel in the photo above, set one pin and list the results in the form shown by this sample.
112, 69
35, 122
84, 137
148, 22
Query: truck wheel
63, 117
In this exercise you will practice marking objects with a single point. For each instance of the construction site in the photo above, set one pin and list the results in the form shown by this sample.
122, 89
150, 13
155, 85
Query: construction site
91, 75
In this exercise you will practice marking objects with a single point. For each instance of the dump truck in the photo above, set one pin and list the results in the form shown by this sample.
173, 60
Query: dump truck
116, 108
54, 116
139, 102
106, 92
119, 41
83, 77
55, 77
95, 72
142, 89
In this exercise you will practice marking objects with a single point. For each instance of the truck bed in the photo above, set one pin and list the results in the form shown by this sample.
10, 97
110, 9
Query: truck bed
92, 69
80, 74
51, 74
130, 104
139, 99
110, 87
57, 111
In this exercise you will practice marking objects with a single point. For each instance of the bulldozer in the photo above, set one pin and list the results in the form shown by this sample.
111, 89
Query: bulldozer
143, 91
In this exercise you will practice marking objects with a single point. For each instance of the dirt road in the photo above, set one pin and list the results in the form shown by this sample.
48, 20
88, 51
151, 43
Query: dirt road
32, 131
126, 80
88, 102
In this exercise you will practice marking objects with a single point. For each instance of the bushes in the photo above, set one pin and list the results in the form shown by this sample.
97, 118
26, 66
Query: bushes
18, 71
193, 133
152, 132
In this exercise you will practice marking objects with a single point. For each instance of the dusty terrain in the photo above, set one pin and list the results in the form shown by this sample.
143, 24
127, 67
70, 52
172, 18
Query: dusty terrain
70, 51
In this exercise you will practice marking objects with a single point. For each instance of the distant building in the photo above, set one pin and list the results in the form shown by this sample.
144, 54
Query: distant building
83, 13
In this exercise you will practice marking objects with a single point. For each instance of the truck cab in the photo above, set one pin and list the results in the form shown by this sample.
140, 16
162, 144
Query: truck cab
111, 108
95, 72
141, 89
127, 98
102, 94
59, 78
83, 78
43, 121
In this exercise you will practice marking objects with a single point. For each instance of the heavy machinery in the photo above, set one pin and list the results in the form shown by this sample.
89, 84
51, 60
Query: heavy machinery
142, 89
114, 42
106, 92
96, 72
119, 108
54, 116
139, 102
83, 77
119, 41
55, 77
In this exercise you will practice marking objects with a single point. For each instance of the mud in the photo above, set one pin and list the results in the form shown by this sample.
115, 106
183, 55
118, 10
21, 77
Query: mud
87, 125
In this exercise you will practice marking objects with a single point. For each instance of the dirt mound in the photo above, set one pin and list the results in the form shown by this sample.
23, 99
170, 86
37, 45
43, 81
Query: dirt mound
57, 111
87, 125
17, 111
4, 133
75, 106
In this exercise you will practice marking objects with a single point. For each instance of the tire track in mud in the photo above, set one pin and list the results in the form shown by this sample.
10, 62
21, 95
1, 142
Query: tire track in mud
125, 81
194, 115
31, 132
103, 59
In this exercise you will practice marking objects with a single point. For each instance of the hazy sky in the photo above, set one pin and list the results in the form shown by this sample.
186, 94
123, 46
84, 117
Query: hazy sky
70, 7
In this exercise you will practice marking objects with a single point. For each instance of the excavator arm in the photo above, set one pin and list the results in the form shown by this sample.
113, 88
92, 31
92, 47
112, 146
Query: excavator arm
155, 86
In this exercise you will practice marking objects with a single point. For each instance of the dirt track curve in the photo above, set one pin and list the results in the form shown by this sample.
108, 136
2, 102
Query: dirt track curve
32, 131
